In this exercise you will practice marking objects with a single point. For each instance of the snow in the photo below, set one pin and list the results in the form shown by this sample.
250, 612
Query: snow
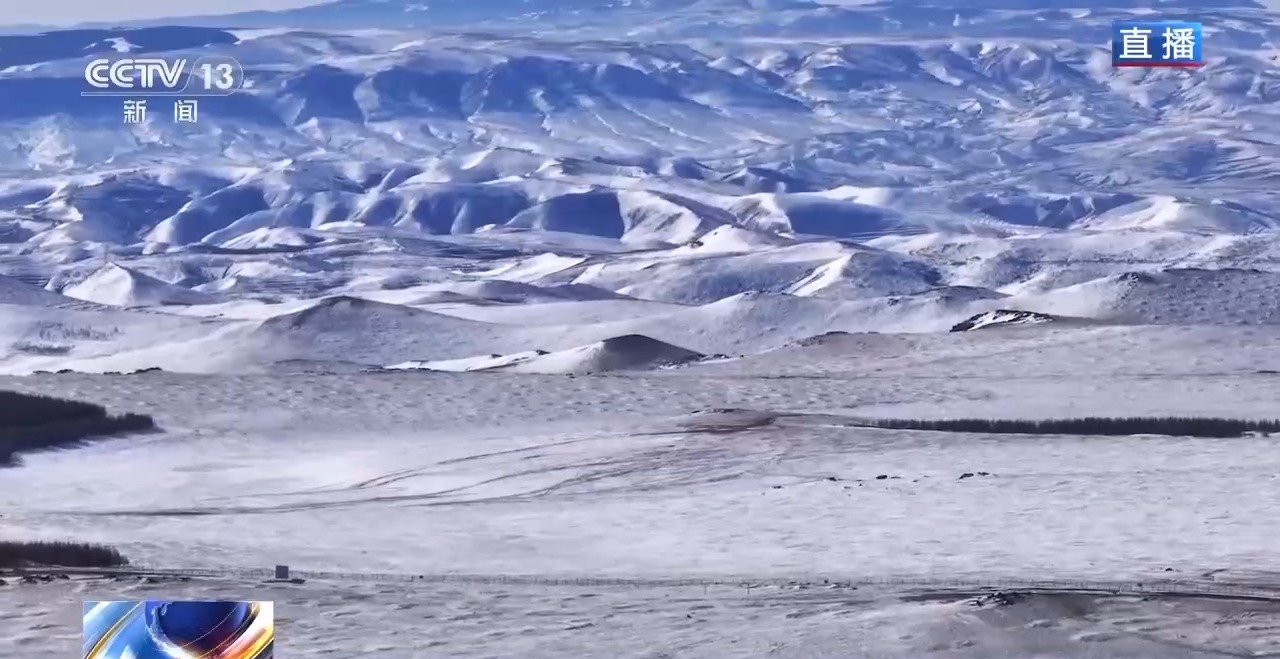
732, 239
119, 286
248, 35
632, 352
273, 308
591, 294
812, 621
16, 292
616, 477
271, 238
1002, 318
537, 267
469, 415
122, 45
1168, 213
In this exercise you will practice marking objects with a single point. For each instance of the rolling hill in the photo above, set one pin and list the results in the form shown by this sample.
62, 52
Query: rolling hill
722, 175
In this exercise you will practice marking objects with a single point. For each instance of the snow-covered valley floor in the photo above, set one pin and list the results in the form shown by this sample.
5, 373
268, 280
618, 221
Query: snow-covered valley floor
639, 476
392, 621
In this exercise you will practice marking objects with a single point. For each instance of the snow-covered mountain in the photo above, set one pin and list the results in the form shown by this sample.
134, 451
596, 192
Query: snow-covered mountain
648, 167
532, 328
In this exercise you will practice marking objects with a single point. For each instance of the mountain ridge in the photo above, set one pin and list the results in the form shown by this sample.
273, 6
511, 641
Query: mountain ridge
789, 168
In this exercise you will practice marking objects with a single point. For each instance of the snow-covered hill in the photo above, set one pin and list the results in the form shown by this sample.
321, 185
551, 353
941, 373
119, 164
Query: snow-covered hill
622, 353
116, 285
721, 175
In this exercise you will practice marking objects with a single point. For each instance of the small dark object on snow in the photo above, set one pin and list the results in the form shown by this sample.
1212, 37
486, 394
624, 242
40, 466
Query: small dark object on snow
833, 479
1168, 569
541, 352
966, 475
777, 487
999, 598
983, 473
882, 477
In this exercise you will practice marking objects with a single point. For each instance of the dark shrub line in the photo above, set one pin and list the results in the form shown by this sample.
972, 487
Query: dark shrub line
1172, 426
32, 423
60, 554
20, 410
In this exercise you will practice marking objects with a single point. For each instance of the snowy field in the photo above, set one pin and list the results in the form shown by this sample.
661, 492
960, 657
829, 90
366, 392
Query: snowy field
392, 621
637, 476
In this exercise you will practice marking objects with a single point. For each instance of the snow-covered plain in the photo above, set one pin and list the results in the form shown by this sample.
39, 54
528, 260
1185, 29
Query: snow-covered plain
585, 290
623, 475
547, 621
639, 477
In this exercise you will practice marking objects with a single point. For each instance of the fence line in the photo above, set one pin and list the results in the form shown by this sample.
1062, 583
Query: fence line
1130, 587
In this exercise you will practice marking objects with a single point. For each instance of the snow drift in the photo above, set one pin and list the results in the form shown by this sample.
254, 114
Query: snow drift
623, 353
118, 286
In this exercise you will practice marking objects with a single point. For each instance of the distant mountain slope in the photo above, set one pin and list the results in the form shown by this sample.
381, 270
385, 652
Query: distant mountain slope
405, 181
119, 286
988, 129
340, 329
1172, 214
623, 353
1189, 296
14, 291
26, 49
809, 269
357, 14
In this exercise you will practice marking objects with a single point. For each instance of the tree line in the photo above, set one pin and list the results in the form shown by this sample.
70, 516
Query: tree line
60, 554
1173, 426
32, 423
